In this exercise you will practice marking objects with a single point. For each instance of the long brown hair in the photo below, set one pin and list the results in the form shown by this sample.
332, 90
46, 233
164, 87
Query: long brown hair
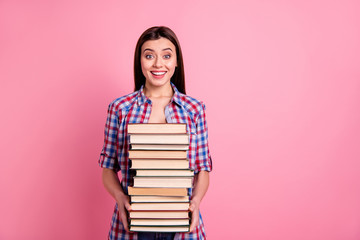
154, 33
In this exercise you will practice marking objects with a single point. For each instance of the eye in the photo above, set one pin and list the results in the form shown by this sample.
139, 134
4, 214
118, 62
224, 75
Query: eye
148, 56
167, 56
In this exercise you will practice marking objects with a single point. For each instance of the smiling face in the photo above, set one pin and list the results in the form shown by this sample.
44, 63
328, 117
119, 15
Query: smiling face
158, 61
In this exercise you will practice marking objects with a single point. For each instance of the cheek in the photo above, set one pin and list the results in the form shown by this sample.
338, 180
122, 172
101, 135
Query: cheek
144, 67
172, 65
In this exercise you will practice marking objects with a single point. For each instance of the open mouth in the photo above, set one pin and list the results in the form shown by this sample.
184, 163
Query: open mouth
158, 73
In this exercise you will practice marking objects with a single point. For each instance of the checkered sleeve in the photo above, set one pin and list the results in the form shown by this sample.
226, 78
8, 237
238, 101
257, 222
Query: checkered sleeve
109, 154
203, 159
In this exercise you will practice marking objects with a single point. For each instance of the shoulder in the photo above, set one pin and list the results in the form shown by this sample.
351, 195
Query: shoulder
191, 104
123, 102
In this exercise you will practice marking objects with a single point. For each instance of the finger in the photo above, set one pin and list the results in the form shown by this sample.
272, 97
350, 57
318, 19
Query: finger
191, 228
124, 220
193, 225
126, 225
127, 206
194, 220
192, 207
123, 215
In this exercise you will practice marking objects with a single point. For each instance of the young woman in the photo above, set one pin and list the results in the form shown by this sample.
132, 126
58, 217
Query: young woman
159, 97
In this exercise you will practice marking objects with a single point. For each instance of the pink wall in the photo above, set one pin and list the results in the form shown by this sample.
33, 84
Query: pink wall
281, 81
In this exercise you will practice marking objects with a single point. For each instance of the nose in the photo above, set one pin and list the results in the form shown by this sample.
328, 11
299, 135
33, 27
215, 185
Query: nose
158, 62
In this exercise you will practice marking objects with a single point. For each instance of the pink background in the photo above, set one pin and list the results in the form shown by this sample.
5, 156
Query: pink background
281, 82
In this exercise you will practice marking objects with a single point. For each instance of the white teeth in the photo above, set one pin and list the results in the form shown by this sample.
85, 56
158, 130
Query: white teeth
158, 73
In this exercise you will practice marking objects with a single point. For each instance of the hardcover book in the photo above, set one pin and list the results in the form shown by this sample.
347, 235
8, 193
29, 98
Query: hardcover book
159, 164
145, 154
159, 214
157, 191
164, 173
160, 206
183, 147
147, 199
167, 182
157, 128
159, 222
159, 139
159, 229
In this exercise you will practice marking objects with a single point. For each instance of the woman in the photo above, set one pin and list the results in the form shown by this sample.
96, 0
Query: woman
159, 97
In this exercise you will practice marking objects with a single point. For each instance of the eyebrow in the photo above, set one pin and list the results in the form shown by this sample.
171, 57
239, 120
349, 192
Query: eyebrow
148, 49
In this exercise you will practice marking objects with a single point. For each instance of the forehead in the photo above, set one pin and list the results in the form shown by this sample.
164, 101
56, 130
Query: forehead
158, 44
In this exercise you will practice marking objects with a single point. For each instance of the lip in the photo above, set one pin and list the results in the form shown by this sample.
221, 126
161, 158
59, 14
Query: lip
158, 76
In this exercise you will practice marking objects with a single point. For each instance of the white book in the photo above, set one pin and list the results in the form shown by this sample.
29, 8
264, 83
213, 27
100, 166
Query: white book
167, 182
183, 147
159, 164
159, 222
159, 139
164, 173
159, 229
147, 199
170, 128
160, 206
158, 214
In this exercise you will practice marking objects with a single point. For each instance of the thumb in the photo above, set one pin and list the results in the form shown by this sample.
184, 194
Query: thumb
127, 206
192, 207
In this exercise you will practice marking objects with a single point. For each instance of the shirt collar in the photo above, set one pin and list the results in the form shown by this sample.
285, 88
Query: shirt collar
176, 97
142, 98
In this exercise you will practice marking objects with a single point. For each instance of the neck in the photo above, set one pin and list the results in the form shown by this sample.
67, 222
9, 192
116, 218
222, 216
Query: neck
162, 91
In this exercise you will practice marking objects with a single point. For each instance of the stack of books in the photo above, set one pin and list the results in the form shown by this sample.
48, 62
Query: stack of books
159, 197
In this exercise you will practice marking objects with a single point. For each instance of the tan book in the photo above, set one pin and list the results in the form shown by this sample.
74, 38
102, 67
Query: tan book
158, 214
156, 128
159, 222
159, 164
157, 191
159, 139
160, 206
147, 199
168, 182
159, 229
183, 147
147, 154
164, 173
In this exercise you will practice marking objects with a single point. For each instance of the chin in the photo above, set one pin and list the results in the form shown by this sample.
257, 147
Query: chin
159, 83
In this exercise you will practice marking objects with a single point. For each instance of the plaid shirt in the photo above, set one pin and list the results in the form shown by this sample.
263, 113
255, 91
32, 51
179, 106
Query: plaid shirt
136, 108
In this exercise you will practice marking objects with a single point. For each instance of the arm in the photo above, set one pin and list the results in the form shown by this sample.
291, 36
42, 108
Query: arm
112, 184
109, 162
200, 188
203, 166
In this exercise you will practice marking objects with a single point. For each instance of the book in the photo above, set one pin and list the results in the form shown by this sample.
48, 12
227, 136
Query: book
159, 139
159, 228
159, 164
159, 222
156, 128
159, 195
183, 147
157, 191
164, 173
133, 154
167, 182
158, 214
160, 206
147, 199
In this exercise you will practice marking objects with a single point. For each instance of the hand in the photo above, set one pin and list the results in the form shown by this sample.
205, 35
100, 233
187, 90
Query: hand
194, 209
123, 209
